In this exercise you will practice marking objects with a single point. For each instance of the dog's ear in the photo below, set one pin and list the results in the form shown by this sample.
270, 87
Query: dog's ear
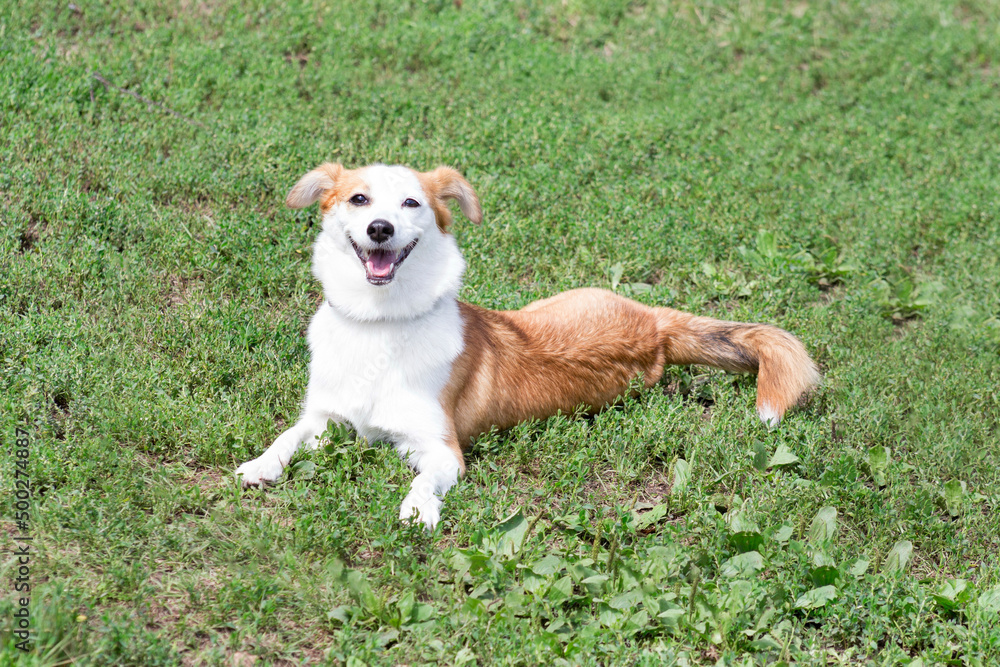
311, 187
443, 184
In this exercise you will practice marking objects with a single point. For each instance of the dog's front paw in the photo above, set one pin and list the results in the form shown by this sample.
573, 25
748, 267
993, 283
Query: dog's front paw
423, 506
261, 470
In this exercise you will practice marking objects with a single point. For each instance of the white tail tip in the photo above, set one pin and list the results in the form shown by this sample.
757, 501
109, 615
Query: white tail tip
768, 415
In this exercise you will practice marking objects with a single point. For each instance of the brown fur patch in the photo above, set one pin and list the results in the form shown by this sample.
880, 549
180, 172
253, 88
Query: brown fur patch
330, 184
588, 346
349, 182
312, 186
784, 369
583, 347
444, 184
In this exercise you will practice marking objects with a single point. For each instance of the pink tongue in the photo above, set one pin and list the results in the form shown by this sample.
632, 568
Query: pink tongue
380, 263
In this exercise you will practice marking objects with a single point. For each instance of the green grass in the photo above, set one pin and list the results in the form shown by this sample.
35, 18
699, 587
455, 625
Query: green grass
833, 168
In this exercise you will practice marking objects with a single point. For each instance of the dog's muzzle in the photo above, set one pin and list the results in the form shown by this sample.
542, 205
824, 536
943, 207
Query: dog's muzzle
381, 263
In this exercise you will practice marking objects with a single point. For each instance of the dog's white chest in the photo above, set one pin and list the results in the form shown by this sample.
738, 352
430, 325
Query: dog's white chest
384, 377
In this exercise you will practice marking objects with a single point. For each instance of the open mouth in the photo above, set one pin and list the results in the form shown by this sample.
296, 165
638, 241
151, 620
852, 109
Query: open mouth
381, 264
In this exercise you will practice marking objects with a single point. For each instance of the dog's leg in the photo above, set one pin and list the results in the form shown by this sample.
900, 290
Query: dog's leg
268, 466
438, 464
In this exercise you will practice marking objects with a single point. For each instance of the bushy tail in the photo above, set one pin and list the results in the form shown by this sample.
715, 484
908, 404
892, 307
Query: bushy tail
784, 369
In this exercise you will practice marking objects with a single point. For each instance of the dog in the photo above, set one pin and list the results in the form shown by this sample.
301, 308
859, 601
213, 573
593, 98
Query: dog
396, 355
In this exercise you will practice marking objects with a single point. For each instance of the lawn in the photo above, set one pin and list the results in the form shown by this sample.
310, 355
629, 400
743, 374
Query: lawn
829, 167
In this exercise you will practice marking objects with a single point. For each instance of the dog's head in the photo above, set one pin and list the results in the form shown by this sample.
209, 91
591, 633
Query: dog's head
385, 237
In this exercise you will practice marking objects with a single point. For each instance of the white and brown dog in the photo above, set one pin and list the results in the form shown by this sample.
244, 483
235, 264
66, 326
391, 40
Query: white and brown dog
398, 357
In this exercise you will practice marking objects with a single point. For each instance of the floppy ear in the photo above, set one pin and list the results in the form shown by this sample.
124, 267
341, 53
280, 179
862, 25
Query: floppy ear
443, 184
312, 186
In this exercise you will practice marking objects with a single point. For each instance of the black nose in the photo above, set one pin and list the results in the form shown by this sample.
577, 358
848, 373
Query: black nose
380, 231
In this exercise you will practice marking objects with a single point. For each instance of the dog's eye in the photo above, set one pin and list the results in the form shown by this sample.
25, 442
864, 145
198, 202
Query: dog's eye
411, 203
359, 200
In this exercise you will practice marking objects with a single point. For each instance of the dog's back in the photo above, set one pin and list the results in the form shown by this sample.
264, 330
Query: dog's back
579, 348
588, 346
